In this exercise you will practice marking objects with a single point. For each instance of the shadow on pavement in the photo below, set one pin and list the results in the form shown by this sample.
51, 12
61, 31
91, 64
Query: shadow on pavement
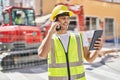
103, 61
33, 69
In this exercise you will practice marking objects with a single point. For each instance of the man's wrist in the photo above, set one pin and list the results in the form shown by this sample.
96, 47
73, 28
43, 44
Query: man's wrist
97, 52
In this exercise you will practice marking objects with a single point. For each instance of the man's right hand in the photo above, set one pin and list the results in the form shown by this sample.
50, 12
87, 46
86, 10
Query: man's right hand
53, 27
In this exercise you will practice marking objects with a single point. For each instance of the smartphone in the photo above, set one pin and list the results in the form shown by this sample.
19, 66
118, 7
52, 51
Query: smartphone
97, 34
58, 27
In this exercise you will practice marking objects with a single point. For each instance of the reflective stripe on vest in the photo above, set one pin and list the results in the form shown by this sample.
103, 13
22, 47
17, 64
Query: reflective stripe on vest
57, 60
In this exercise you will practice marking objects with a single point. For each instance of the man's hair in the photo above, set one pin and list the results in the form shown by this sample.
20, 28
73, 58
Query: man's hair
18, 15
62, 14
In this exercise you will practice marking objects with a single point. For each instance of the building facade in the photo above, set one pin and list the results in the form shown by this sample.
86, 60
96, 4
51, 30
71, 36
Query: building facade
100, 14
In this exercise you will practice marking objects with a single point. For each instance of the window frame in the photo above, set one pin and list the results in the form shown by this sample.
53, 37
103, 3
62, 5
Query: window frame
6, 18
26, 18
97, 23
113, 32
111, 1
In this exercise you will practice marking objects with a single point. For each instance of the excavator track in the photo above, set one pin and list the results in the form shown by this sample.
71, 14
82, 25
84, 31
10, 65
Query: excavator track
20, 59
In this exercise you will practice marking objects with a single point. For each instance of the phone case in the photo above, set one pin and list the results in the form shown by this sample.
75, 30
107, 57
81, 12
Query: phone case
58, 27
97, 34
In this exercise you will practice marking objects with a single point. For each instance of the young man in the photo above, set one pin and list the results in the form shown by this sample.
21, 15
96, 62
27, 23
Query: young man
18, 19
66, 50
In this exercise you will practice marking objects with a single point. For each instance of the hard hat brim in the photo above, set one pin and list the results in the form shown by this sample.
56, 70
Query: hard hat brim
60, 12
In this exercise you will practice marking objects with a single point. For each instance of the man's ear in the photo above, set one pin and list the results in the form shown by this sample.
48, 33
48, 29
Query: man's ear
56, 19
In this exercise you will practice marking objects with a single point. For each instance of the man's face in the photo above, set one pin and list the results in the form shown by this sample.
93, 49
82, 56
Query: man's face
64, 22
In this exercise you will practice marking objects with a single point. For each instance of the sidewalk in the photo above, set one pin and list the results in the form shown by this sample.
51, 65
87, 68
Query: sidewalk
3, 77
103, 68
115, 64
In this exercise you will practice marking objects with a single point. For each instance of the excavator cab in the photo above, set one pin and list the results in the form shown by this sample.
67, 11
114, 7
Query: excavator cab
19, 16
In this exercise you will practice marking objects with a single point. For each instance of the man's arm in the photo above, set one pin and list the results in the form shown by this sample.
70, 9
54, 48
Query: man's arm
45, 46
91, 57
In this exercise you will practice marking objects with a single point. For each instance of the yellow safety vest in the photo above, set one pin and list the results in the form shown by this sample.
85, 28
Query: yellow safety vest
18, 21
66, 65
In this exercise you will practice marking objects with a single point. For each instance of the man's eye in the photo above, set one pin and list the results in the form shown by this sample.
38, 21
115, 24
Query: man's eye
65, 18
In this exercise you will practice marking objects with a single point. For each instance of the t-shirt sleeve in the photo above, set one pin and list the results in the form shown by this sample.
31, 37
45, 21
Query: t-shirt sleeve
85, 40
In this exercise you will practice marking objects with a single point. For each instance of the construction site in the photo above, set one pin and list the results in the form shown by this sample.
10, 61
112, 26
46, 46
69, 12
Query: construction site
19, 40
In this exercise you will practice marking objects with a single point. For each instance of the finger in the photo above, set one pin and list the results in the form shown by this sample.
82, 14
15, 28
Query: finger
54, 25
100, 39
99, 42
97, 48
98, 45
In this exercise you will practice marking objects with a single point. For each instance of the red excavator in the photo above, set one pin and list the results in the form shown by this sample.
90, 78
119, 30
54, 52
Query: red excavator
19, 40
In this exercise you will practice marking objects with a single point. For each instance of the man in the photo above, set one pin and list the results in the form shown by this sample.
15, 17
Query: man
18, 19
66, 50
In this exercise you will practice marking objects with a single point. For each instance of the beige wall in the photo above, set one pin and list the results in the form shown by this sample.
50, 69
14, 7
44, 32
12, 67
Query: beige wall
44, 6
38, 7
101, 9
47, 6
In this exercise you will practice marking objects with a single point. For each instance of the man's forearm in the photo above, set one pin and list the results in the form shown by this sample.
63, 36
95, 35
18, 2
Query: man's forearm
94, 56
45, 46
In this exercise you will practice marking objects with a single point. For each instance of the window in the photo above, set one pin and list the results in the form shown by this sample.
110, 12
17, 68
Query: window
109, 24
0, 2
114, 1
27, 16
6, 18
91, 23
73, 23
1, 7
30, 17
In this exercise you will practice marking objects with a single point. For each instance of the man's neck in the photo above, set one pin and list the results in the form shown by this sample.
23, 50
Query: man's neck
62, 32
